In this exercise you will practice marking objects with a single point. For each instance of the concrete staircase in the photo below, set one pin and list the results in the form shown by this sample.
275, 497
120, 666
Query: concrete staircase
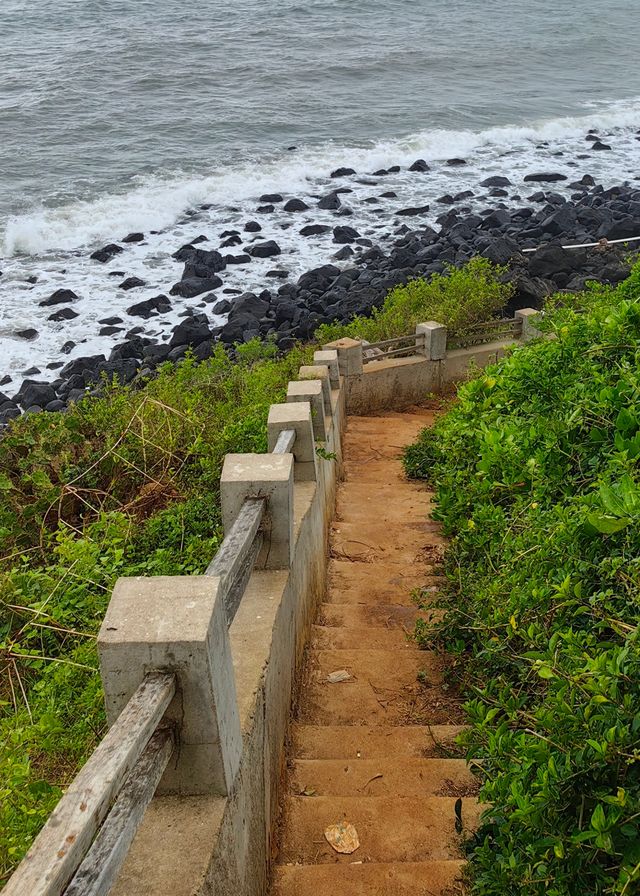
376, 749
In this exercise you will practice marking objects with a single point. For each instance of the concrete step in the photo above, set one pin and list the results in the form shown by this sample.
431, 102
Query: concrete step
387, 617
368, 879
352, 582
384, 669
371, 467
382, 540
398, 501
390, 829
366, 742
325, 637
391, 777
383, 689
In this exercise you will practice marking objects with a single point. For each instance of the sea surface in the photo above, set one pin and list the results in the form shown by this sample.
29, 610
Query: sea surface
119, 116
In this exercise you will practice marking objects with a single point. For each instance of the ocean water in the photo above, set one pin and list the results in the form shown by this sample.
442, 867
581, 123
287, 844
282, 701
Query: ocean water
118, 116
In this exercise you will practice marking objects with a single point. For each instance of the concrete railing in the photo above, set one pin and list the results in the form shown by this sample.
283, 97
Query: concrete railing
166, 661
181, 795
398, 372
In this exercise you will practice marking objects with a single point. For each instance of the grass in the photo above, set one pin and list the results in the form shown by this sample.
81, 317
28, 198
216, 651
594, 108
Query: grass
127, 484
536, 471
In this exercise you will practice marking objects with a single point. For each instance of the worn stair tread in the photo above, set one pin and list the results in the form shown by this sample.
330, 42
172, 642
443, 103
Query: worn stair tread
383, 668
390, 829
386, 617
334, 637
397, 502
377, 582
373, 742
384, 688
382, 540
391, 777
369, 879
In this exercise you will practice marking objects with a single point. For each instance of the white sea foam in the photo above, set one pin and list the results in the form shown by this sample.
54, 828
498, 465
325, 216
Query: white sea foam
53, 244
158, 202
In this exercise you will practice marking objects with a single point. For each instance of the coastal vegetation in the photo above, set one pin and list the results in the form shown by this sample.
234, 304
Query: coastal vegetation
125, 484
535, 468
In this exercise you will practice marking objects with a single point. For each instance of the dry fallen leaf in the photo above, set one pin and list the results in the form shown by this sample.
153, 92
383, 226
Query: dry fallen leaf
342, 837
339, 675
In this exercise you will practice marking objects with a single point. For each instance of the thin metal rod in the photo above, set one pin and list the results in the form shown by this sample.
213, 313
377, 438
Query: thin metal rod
99, 870
286, 441
628, 239
411, 337
407, 350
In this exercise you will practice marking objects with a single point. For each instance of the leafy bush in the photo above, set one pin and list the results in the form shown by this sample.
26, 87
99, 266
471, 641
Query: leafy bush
122, 485
537, 484
461, 297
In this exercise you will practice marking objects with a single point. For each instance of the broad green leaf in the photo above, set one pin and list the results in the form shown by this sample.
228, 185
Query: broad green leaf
607, 525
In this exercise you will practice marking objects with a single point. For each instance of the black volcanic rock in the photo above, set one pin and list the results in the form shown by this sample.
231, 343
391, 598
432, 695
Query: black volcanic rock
295, 205
330, 202
413, 211
63, 314
420, 166
548, 177
158, 305
191, 331
314, 229
131, 283
59, 297
106, 253
496, 180
345, 234
33, 392
195, 286
265, 250
342, 172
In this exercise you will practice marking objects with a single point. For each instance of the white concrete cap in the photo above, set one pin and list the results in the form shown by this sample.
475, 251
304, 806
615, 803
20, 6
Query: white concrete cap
330, 358
296, 416
267, 476
318, 372
178, 624
311, 391
434, 346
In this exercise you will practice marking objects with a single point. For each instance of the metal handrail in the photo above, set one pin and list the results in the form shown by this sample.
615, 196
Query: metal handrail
412, 337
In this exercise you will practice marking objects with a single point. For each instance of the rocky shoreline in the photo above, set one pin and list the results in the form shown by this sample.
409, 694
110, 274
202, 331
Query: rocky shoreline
358, 275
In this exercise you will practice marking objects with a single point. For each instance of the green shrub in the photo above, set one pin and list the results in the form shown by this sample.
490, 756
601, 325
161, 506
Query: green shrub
458, 298
537, 485
120, 485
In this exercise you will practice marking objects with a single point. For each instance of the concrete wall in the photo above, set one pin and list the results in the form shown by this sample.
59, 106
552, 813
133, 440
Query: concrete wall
200, 845
209, 844
400, 382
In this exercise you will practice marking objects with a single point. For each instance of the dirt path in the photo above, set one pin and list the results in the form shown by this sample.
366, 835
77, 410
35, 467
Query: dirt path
375, 750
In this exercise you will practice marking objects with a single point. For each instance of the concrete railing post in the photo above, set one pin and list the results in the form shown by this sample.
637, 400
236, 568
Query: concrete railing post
528, 317
311, 391
318, 372
177, 624
267, 476
349, 355
296, 416
431, 340
330, 360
